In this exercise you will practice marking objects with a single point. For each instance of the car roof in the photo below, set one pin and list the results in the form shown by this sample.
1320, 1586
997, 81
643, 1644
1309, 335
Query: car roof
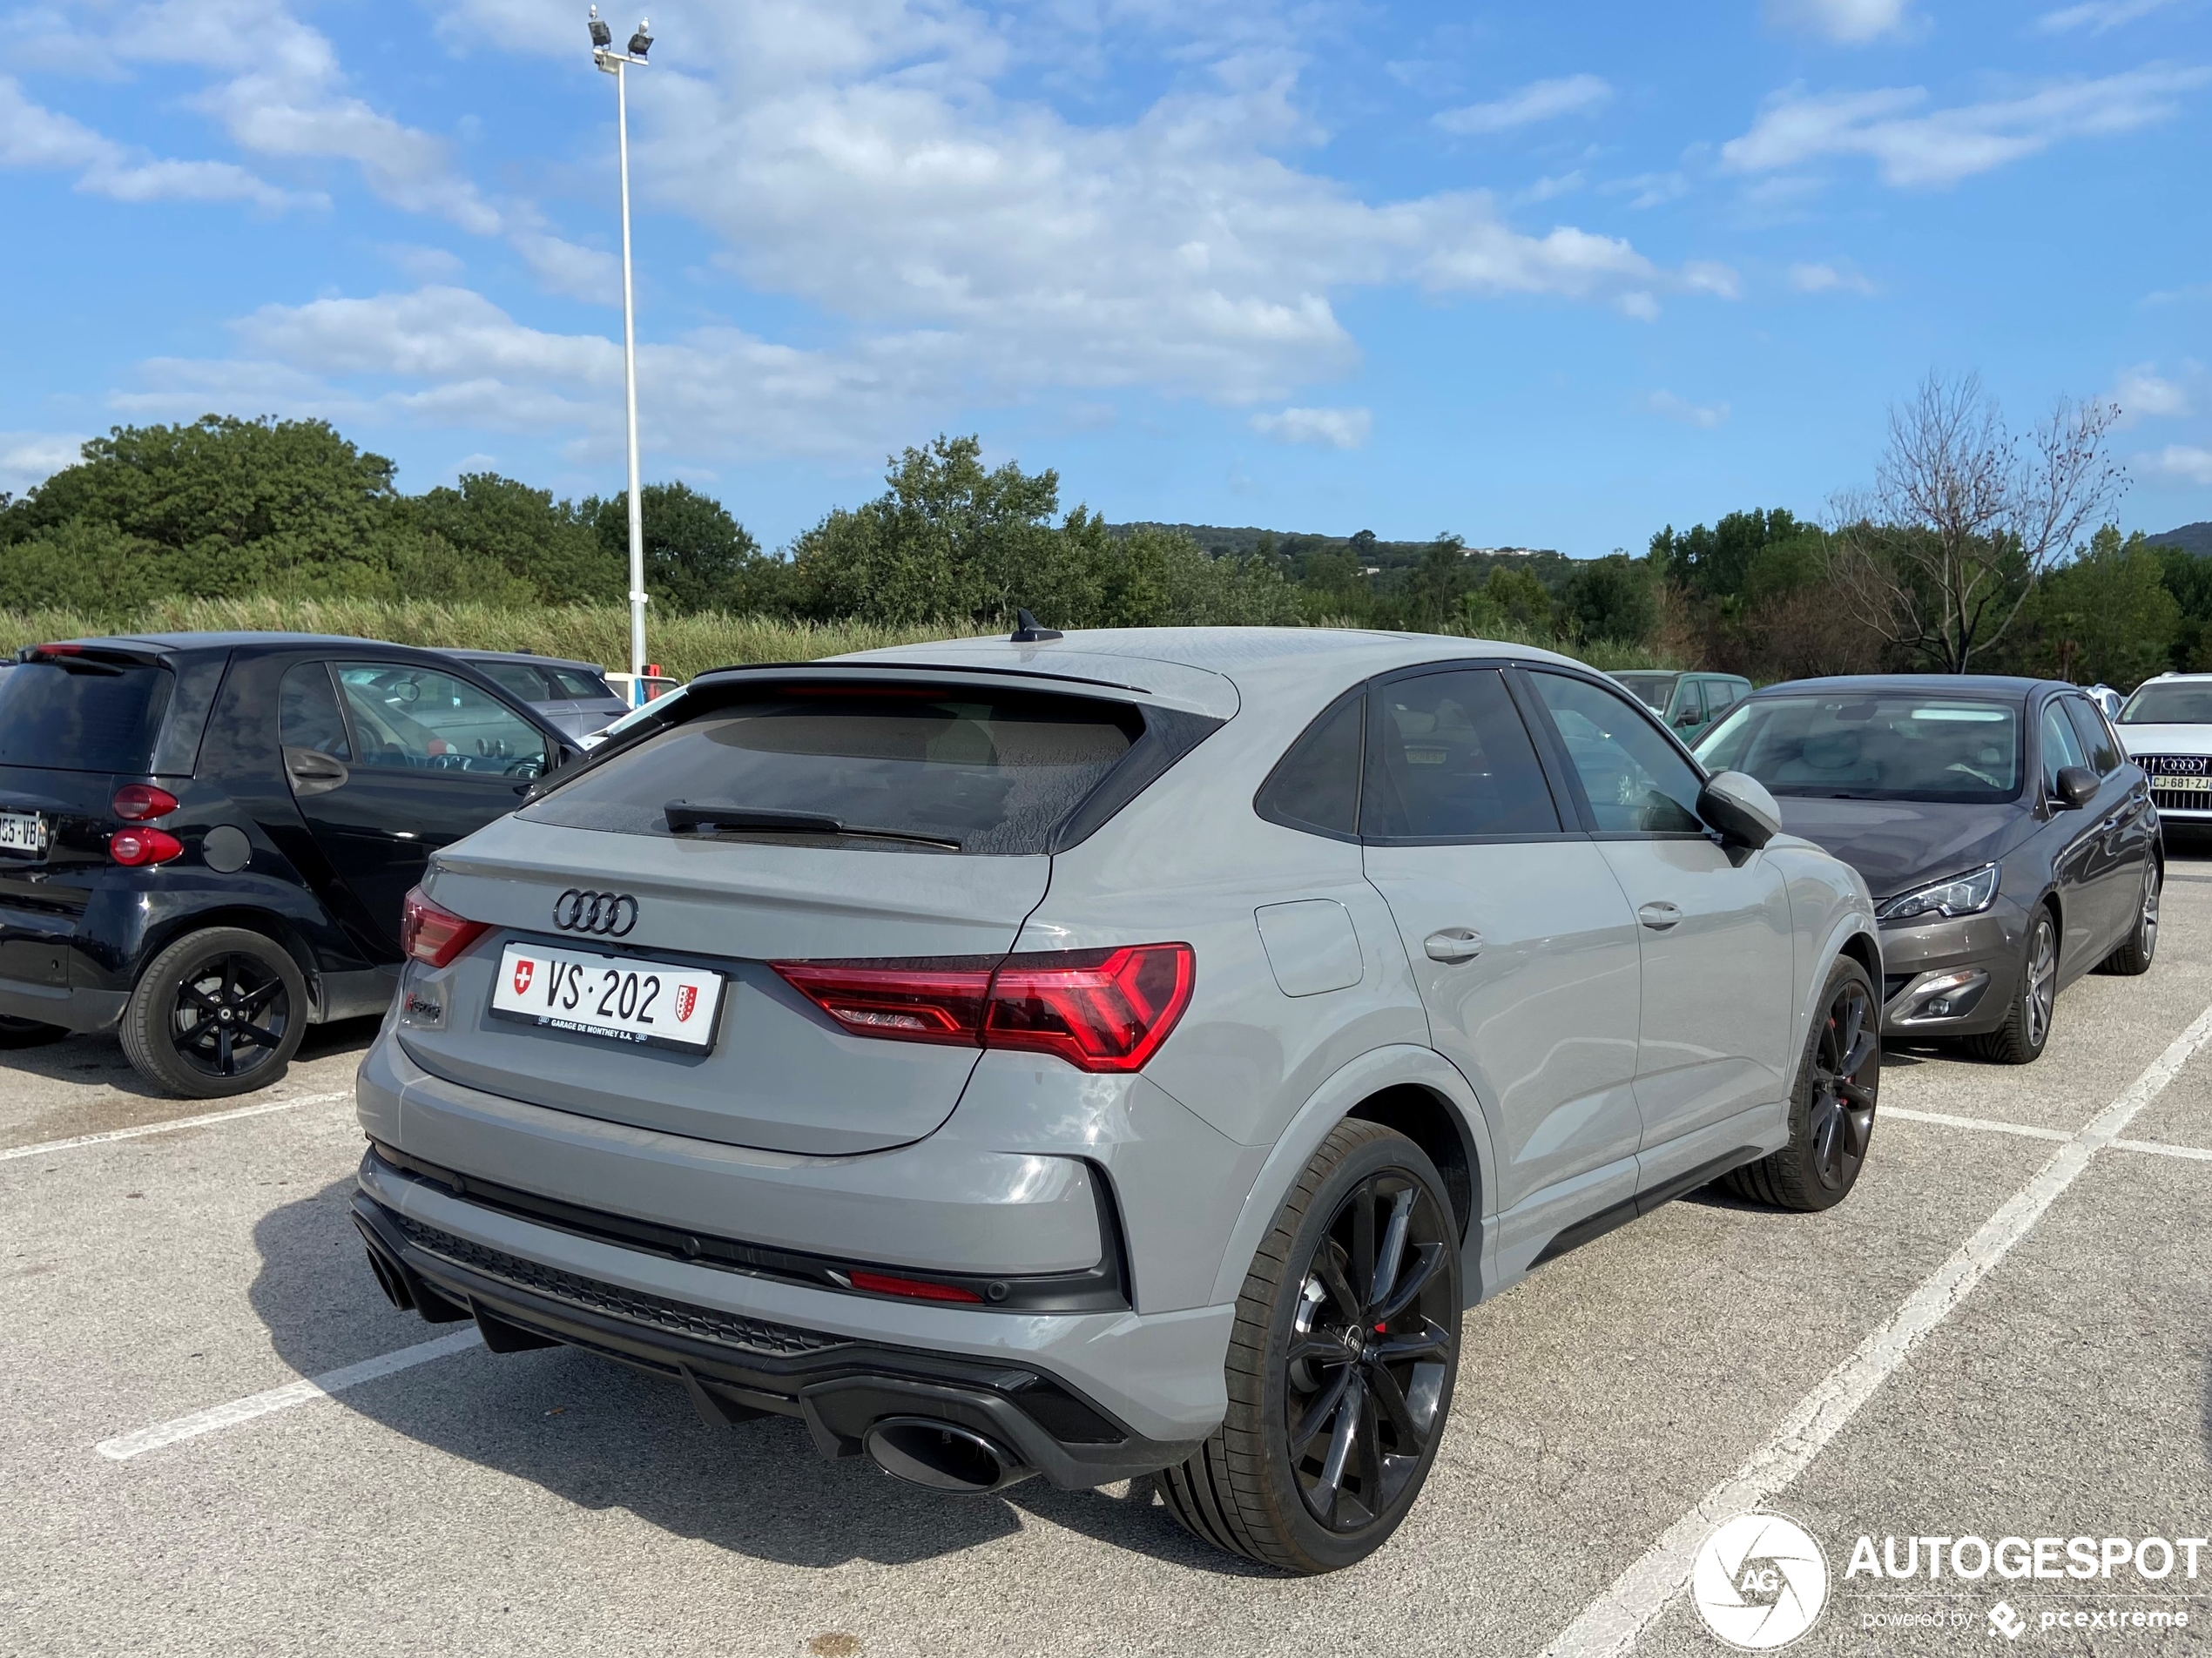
531, 658
2006, 685
1255, 661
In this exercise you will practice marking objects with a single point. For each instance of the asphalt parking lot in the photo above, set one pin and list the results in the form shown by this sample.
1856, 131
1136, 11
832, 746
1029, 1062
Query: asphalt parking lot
2004, 1333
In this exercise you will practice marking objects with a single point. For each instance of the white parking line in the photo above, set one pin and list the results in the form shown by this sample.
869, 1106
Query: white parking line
46, 1146
282, 1399
1610, 1624
1944, 1119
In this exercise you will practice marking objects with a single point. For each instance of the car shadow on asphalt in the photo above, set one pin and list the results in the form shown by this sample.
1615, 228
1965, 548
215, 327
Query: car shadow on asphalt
604, 1436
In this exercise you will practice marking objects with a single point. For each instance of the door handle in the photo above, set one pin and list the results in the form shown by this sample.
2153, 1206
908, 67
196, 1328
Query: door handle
1453, 944
1658, 915
314, 772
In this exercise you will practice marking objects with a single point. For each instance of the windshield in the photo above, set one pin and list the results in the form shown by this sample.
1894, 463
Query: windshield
2156, 704
1882, 747
88, 716
1651, 688
983, 771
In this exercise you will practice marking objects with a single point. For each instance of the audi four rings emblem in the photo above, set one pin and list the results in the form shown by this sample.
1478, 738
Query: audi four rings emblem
608, 914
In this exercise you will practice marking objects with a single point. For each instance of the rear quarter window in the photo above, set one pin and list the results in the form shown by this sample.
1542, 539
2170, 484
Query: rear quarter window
976, 771
87, 716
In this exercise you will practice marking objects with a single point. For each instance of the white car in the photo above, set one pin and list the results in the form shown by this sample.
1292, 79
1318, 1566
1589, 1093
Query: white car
2166, 727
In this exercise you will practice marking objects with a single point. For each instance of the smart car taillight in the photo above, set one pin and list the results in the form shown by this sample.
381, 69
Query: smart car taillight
1100, 1010
431, 935
134, 848
137, 802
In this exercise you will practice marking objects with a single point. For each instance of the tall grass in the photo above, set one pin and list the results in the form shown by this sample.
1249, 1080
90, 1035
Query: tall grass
685, 645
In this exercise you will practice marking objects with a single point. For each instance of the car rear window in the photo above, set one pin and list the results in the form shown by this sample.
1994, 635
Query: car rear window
89, 716
965, 769
574, 682
519, 678
1649, 689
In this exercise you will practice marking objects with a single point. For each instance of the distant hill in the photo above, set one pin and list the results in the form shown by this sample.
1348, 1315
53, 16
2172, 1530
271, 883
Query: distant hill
1295, 547
2195, 538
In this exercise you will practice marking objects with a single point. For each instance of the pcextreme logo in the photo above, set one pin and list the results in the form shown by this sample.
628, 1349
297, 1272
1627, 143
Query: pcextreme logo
1759, 1581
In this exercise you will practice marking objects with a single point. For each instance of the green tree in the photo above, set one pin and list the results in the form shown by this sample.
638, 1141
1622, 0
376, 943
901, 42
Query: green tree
546, 545
1513, 600
1717, 562
1611, 598
2187, 577
698, 557
2107, 616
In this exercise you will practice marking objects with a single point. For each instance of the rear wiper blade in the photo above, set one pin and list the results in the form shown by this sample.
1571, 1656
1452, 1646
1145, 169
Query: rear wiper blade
686, 818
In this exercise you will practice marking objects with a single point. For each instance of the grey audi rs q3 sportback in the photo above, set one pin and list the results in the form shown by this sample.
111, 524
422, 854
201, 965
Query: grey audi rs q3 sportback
1106, 1054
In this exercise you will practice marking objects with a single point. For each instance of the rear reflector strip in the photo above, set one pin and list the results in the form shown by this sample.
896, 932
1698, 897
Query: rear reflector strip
917, 1288
1100, 1010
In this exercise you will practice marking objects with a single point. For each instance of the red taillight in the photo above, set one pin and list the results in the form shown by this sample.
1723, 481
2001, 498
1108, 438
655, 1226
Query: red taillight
430, 934
919, 1289
136, 847
937, 1001
136, 802
1100, 1010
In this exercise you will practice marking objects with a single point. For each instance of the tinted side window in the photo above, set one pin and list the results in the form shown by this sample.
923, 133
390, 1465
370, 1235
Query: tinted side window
1316, 786
307, 714
1635, 779
2096, 736
2061, 748
517, 677
1449, 757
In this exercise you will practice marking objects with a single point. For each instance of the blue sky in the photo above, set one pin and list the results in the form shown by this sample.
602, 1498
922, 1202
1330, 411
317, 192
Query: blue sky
1545, 276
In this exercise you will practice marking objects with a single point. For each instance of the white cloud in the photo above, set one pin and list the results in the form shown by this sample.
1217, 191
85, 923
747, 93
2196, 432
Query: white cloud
2187, 463
1941, 147
1828, 278
1851, 22
1546, 188
34, 136
2097, 16
31, 458
2142, 393
1651, 189
1338, 428
1538, 101
1705, 418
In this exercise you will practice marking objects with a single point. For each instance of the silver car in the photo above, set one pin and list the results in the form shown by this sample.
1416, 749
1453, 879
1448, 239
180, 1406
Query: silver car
1117, 1054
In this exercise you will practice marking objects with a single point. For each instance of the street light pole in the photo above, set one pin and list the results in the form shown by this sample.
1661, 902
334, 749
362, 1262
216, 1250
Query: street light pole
615, 62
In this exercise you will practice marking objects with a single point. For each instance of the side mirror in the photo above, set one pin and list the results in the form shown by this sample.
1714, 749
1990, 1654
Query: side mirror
1687, 717
2077, 786
1741, 809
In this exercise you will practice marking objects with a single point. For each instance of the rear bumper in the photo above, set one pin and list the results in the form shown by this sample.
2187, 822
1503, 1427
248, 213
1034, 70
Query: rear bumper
74, 1007
1085, 1399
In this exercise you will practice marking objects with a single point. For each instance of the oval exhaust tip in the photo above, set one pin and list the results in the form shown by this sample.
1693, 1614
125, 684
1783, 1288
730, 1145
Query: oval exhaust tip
941, 1456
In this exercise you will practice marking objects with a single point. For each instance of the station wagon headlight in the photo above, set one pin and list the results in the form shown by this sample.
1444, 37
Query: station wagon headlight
1961, 895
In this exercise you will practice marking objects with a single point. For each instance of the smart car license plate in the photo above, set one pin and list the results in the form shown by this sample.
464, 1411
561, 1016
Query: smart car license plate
21, 831
620, 998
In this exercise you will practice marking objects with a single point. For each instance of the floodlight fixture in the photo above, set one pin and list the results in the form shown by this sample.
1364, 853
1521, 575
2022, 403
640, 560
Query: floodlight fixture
641, 42
601, 37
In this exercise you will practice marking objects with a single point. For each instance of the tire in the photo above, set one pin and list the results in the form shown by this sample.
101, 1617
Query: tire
175, 1034
1251, 1489
29, 1033
2020, 1040
2141, 943
1831, 1107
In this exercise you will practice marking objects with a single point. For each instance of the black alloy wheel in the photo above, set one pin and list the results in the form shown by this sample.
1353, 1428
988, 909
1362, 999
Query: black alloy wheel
1831, 1107
1846, 1067
1366, 1363
1340, 1363
217, 1013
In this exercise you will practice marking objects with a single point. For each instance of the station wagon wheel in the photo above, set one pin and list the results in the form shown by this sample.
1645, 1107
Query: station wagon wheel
1832, 1105
219, 1012
2020, 1038
2134, 953
1340, 1363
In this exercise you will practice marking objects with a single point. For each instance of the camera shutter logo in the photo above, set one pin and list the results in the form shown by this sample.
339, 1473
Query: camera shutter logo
609, 915
1759, 1583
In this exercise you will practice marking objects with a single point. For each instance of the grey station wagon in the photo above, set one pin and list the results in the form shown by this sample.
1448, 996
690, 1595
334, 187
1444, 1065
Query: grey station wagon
1117, 1054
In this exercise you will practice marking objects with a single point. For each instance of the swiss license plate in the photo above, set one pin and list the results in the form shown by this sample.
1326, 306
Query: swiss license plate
21, 831
2163, 780
620, 998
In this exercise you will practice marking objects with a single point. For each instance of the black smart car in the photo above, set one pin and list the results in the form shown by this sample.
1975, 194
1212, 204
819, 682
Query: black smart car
2009, 842
207, 838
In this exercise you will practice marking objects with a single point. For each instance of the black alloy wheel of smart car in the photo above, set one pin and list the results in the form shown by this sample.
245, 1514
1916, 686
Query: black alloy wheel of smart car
1340, 1364
217, 1013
